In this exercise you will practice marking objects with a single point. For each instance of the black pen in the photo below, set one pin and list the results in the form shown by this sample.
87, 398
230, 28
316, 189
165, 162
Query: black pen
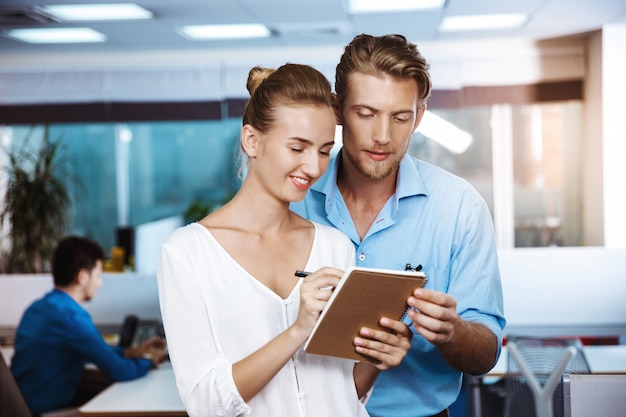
301, 274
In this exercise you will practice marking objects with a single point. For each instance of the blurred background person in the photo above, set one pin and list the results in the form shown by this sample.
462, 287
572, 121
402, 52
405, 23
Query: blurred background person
56, 337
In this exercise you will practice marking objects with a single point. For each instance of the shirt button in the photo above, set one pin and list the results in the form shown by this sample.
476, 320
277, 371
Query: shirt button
362, 257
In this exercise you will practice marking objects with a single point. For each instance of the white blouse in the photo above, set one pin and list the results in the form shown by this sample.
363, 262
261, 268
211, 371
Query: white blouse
215, 314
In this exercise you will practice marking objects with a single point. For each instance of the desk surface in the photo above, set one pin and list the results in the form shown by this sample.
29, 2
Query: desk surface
153, 395
602, 360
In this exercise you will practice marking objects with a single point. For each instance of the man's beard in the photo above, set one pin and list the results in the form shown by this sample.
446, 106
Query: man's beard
375, 170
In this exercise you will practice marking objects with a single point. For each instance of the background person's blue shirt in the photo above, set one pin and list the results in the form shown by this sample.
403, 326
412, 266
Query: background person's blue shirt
437, 220
54, 341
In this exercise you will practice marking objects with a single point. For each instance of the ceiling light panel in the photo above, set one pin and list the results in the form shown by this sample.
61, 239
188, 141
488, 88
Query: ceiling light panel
378, 6
483, 22
97, 12
214, 32
56, 35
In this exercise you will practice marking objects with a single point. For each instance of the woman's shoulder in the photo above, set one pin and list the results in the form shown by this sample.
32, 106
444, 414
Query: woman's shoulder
186, 234
330, 233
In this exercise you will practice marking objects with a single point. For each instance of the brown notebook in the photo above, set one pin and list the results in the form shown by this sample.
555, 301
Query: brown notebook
361, 298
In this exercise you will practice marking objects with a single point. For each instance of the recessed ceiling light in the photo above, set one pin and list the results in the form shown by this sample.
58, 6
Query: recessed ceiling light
95, 12
208, 32
371, 6
482, 22
56, 35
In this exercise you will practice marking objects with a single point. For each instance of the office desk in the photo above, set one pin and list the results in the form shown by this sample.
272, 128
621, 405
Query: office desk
7, 353
153, 395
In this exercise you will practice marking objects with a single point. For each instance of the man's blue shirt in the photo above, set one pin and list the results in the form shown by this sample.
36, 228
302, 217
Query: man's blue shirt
437, 220
54, 341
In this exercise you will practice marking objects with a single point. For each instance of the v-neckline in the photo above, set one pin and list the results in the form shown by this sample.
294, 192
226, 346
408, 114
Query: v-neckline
251, 277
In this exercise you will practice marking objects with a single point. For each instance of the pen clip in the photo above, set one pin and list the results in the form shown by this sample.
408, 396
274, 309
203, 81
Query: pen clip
408, 267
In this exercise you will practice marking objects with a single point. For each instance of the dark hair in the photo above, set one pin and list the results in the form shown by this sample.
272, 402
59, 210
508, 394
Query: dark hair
72, 254
389, 55
289, 84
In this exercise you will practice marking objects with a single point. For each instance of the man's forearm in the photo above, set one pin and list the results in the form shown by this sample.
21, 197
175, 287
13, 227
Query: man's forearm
472, 349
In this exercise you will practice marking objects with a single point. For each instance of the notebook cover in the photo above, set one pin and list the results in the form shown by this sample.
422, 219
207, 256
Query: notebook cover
361, 298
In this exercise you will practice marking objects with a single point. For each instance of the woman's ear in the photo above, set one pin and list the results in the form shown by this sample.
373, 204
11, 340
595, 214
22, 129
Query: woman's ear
249, 140
337, 110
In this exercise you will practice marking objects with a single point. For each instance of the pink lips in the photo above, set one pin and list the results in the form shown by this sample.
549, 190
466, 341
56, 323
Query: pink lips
378, 156
299, 185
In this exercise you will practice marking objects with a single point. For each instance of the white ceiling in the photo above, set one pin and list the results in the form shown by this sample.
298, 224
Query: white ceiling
305, 23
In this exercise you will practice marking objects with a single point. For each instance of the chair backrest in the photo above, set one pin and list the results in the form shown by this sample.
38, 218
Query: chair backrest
12, 403
545, 359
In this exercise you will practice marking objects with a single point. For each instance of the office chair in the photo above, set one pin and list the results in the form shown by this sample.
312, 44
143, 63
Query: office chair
12, 403
533, 382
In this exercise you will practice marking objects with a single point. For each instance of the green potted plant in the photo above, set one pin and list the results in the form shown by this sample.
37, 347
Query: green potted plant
197, 210
35, 204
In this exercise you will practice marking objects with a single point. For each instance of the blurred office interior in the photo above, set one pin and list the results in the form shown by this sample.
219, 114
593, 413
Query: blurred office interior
150, 128
531, 116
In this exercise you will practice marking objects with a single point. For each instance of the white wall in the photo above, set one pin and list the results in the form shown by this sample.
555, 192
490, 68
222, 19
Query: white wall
564, 291
614, 133
120, 294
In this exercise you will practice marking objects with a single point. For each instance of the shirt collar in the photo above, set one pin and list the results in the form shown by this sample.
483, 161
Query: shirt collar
410, 182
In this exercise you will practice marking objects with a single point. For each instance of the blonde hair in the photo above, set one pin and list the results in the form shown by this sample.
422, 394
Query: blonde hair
289, 84
389, 55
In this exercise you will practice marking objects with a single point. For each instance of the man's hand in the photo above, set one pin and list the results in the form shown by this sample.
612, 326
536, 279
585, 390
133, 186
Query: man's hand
436, 316
152, 349
466, 346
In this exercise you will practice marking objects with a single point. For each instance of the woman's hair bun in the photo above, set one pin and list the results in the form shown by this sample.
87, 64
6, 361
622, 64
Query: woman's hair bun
256, 76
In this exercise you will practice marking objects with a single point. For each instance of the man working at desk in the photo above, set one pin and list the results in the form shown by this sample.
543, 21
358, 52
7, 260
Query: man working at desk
56, 337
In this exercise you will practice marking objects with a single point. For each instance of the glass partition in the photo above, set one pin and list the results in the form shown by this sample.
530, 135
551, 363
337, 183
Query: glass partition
127, 174
135, 173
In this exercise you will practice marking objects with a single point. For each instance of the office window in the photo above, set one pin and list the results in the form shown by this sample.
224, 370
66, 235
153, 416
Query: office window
541, 174
131, 174
547, 175
134, 173
473, 163
171, 164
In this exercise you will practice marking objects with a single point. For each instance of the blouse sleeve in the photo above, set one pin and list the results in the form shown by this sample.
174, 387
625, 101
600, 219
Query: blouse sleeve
203, 376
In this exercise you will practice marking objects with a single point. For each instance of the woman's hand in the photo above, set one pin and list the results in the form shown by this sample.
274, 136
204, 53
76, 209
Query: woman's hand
388, 347
315, 292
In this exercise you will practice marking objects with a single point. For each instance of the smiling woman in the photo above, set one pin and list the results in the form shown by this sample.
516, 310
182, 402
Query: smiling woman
245, 253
